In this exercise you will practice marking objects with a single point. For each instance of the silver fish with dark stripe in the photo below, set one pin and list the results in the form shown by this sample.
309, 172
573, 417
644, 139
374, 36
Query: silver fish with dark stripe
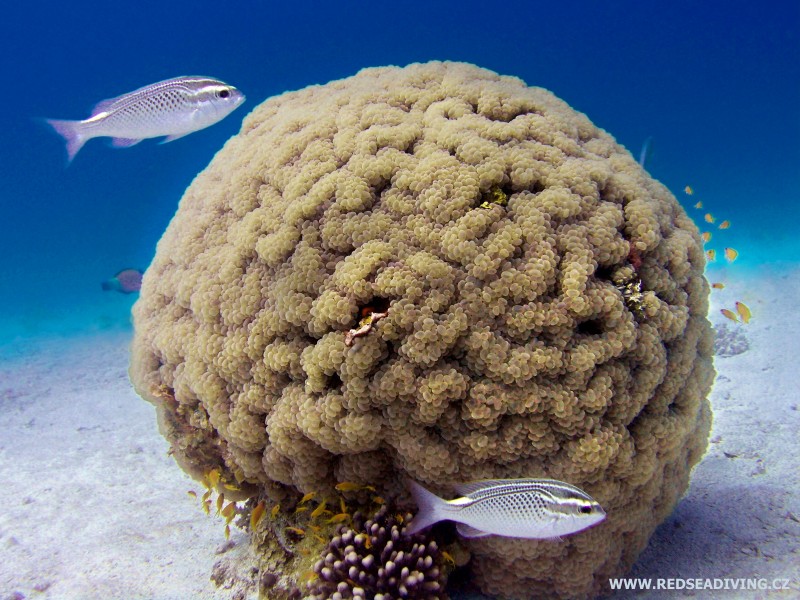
172, 108
521, 508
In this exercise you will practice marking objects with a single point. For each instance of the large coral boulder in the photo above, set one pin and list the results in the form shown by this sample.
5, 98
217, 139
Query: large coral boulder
544, 299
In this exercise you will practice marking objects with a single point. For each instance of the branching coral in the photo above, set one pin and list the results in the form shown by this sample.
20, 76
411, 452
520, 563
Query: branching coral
541, 298
376, 559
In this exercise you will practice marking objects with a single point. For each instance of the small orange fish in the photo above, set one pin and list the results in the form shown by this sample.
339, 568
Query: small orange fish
446, 556
709, 218
229, 512
730, 314
192, 493
731, 254
213, 478
378, 500
342, 505
307, 497
688, 189
296, 530
718, 286
309, 575
348, 486
275, 510
706, 236
227, 532
207, 495
256, 515
724, 224
300, 509
698, 205
319, 510
711, 254
207, 507
338, 518
230, 486
743, 311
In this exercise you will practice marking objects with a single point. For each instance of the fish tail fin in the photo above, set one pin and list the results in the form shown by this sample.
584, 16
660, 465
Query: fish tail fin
429, 508
72, 132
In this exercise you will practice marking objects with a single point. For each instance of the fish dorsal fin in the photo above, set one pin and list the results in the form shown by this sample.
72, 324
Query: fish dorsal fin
470, 487
468, 531
103, 106
109, 104
123, 271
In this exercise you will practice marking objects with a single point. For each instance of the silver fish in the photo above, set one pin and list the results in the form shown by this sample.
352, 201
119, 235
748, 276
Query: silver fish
522, 508
172, 108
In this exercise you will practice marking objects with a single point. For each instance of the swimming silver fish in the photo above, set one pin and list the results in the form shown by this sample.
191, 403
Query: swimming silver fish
522, 508
172, 108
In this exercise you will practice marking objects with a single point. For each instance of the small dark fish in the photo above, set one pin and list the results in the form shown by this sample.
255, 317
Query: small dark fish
126, 281
172, 108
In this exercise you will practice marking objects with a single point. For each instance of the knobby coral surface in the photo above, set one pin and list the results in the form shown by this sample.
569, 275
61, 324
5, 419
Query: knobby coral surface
541, 298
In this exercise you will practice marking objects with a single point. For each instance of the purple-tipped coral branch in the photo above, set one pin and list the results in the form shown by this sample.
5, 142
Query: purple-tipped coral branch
377, 559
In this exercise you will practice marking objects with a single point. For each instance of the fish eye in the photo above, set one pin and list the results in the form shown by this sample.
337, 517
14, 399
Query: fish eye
586, 509
223, 93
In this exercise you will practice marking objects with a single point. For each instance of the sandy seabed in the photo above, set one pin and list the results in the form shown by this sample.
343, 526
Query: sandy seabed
94, 508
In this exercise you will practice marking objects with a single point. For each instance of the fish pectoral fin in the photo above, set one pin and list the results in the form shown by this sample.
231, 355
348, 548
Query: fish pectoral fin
171, 138
124, 142
468, 531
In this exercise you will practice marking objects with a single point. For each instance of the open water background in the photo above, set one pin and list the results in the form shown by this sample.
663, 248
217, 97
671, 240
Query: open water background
715, 84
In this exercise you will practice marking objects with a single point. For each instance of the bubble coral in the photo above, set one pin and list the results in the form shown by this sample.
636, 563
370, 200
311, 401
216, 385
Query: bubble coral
376, 559
544, 297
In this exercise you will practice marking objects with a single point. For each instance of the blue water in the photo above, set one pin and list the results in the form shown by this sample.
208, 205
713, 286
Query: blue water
716, 85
